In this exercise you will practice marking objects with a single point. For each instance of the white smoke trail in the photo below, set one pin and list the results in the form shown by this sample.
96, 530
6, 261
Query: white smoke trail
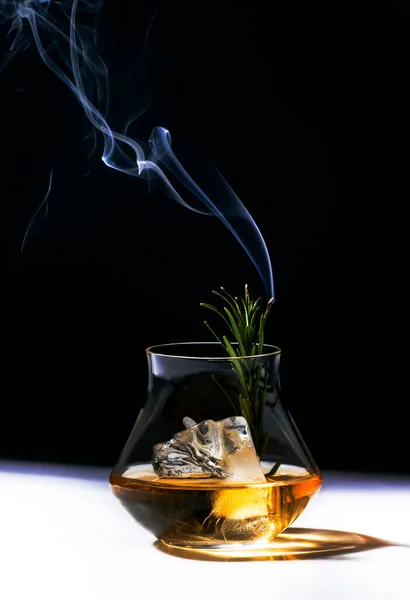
69, 50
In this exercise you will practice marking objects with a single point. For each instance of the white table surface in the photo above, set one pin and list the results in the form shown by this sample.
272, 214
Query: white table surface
63, 535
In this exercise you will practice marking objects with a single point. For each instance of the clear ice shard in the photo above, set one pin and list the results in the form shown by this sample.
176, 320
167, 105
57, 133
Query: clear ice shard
222, 449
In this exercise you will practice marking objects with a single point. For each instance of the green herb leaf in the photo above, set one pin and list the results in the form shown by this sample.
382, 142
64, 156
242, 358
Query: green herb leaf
244, 321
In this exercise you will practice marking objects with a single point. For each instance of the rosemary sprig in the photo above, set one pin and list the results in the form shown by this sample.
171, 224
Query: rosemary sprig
246, 325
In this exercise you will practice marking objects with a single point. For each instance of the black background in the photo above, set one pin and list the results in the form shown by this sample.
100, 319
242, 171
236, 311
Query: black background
303, 107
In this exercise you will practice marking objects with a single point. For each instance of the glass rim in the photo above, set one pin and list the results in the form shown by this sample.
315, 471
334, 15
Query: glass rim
274, 350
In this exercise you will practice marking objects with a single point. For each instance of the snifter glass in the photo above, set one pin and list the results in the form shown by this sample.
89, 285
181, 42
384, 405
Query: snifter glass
203, 469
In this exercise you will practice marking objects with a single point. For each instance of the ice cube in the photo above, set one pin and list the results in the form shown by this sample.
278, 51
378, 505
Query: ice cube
222, 449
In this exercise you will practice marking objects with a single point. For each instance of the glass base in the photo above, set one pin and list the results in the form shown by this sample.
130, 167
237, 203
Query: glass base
292, 544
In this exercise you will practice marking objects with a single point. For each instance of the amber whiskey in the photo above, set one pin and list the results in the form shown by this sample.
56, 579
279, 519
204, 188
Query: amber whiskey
202, 513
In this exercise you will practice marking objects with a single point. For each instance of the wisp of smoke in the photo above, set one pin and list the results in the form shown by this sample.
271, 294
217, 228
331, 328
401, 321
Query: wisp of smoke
69, 49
